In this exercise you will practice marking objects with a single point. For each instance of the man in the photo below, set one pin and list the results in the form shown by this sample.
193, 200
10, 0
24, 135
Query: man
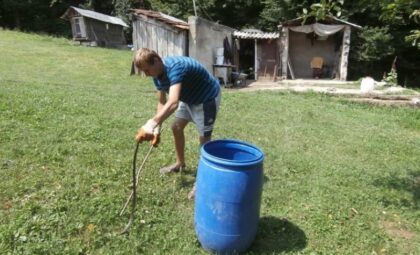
186, 87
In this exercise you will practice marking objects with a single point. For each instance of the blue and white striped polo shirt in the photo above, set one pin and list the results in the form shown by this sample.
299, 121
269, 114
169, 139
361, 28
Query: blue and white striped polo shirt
198, 85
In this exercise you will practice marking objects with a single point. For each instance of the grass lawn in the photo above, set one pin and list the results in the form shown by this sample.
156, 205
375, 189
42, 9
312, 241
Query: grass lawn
340, 177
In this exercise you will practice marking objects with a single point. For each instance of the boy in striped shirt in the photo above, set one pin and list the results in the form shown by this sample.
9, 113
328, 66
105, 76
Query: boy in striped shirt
185, 87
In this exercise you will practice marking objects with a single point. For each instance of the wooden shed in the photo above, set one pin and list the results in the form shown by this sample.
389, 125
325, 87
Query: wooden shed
170, 36
162, 33
95, 29
315, 49
256, 53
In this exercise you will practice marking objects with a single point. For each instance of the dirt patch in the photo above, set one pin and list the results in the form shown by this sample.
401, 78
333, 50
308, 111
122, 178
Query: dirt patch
7, 205
386, 102
403, 238
397, 231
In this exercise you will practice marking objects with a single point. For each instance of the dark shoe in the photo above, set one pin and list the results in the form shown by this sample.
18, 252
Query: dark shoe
175, 168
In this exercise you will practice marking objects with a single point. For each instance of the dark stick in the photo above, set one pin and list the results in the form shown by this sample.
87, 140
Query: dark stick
133, 204
137, 180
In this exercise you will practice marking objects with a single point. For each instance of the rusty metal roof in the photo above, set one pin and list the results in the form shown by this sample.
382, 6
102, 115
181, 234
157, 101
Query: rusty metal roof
172, 21
93, 15
254, 34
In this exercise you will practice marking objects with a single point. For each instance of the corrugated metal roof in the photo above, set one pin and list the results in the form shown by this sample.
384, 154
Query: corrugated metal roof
346, 22
328, 19
255, 35
96, 15
172, 21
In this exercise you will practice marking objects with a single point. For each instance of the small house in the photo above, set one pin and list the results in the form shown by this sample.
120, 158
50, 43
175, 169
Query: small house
316, 49
256, 53
95, 29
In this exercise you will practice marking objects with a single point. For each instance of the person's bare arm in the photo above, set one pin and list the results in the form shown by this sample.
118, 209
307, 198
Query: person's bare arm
161, 95
167, 105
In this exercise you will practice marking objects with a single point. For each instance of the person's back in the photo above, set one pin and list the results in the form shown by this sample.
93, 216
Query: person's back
198, 85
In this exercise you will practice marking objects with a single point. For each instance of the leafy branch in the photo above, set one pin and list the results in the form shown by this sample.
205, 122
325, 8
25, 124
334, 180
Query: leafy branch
414, 36
321, 10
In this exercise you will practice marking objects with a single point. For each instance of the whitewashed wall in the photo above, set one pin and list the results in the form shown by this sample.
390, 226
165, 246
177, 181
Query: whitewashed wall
204, 38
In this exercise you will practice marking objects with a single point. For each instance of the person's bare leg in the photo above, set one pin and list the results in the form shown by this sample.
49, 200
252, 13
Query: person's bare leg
179, 139
178, 131
203, 140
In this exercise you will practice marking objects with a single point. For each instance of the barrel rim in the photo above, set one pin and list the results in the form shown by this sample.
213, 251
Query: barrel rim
259, 158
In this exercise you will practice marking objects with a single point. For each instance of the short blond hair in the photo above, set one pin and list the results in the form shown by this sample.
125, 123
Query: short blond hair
145, 56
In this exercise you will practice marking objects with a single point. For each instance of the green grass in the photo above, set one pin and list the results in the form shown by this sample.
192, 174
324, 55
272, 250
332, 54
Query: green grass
340, 177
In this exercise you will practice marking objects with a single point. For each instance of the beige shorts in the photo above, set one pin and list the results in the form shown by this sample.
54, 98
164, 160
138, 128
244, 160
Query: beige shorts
202, 115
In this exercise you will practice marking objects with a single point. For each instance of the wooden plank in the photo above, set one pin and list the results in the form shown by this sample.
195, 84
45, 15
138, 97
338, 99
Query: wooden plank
275, 72
292, 74
285, 52
149, 37
154, 41
134, 35
256, 67
164, 42
162, 38
136, 39
170, 43
179, 44
142, 35
159, 34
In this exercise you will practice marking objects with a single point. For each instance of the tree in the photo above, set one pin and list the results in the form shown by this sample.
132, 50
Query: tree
274, 12
32, 15
414, 36
321, 10
237, 13
178, 9
14, 13
371, 52
397, 15
373, 44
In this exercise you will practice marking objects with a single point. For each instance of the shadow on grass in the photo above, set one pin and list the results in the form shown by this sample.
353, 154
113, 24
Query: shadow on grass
186, 178
266, 179
410, 183
278, 235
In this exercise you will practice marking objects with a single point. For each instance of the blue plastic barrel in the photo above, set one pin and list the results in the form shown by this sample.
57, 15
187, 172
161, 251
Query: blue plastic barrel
228, 195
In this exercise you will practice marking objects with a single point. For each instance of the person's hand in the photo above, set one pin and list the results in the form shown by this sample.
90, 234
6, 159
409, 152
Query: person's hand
149, 132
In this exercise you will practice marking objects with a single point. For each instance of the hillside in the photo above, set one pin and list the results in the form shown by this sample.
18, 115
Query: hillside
40, 58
